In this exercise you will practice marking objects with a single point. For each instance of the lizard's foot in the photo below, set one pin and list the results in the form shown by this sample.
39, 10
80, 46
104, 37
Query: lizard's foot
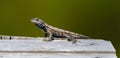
74, 41
48, 40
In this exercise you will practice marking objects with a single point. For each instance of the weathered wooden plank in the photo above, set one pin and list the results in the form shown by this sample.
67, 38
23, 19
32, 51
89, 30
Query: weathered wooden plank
29, 47
56, 46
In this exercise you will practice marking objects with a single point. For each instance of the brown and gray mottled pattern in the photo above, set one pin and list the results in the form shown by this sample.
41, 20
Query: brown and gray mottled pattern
53, 32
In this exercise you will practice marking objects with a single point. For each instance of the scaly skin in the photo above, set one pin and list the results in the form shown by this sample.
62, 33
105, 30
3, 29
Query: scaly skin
53, 32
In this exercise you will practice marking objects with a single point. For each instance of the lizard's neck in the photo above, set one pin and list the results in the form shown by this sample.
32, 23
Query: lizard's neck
43, 27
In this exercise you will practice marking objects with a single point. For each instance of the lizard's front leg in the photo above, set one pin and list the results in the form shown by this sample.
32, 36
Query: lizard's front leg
46, 34
49, 36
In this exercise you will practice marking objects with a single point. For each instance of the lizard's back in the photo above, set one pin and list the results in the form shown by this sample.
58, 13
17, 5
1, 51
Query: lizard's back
65, 33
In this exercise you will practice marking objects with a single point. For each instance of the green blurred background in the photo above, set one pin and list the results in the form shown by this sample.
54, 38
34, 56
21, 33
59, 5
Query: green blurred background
95, 18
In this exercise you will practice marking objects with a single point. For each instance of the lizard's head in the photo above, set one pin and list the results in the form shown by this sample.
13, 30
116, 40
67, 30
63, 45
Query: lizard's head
38, 22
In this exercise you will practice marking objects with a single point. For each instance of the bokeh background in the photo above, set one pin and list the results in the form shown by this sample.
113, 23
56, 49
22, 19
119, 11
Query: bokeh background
95, 18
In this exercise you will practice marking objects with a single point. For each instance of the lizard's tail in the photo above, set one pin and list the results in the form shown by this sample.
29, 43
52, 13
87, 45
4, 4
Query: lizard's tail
82, 37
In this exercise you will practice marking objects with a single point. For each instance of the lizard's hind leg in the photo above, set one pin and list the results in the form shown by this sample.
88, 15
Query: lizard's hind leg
70, 38
74, 40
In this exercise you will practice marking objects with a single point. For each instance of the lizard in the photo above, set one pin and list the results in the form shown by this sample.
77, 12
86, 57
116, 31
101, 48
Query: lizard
53, 32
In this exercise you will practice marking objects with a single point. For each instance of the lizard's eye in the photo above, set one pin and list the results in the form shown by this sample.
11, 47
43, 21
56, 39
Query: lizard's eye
37, 19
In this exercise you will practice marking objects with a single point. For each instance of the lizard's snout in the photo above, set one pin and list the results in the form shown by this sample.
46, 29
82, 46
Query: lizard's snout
32, 21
